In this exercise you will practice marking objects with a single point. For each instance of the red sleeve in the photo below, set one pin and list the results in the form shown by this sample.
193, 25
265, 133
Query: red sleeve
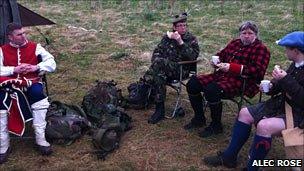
235, 68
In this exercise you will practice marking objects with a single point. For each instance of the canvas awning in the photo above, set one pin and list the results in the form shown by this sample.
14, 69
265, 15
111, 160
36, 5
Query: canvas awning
11, 11
30, 18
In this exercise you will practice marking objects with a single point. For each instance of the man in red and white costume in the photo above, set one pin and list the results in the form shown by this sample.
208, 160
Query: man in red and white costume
19, 61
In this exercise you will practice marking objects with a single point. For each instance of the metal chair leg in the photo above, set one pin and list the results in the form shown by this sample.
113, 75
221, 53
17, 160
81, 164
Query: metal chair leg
178, 88
177, 105
147, 102
178, 91
205, 104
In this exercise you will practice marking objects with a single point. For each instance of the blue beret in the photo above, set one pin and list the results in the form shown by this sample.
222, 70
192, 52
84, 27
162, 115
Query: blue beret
294, 39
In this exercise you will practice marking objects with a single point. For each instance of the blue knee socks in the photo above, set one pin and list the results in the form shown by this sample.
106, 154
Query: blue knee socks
240, 134
259, 149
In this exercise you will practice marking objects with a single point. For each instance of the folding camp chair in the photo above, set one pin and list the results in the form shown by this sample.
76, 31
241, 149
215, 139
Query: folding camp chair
177, 84
240, 98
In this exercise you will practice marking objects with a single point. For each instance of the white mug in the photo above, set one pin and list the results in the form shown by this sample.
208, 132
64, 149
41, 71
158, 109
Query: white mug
215, 60
265, 85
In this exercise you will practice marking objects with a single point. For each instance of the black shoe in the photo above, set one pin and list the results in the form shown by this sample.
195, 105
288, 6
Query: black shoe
44, 150
194, 124
212, 129
4, 156
180, 112
155, 118
218, 160
159, 113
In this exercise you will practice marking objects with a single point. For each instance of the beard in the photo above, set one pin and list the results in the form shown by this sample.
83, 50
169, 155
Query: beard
247, 41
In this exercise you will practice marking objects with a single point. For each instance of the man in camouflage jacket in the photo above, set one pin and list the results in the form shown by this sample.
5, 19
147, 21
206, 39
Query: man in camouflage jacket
176, 46
244, 56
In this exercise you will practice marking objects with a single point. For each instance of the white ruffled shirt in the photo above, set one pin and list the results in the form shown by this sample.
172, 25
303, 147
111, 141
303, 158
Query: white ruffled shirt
47, 64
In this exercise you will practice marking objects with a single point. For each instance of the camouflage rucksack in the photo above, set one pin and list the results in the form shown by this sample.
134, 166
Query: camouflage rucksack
107, 136
101, 104
65, 123
140, 95
96, 98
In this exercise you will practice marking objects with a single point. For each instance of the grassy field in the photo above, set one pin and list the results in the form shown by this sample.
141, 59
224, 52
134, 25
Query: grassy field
108, 40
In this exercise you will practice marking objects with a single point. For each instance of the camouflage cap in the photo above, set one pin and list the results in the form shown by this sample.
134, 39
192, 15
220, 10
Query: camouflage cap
180, 18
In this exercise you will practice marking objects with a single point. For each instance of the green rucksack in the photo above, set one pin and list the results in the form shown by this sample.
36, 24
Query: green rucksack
106, 137
95, 101
102, 104
65, 123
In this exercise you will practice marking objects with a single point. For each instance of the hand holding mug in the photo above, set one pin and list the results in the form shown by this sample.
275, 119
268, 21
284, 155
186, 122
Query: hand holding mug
223, 67
215, 60
265, 86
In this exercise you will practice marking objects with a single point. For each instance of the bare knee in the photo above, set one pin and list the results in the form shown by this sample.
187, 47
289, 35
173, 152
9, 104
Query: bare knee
245, 116
264, 128
270, 126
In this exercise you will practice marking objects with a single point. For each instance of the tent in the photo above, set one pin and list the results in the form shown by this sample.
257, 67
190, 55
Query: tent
11, 11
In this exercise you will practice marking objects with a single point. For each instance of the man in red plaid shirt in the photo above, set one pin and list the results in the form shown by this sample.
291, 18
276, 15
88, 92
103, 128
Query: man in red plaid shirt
244, 56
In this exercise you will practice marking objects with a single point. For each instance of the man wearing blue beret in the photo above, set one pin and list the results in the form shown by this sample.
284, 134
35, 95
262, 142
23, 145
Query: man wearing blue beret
269, 116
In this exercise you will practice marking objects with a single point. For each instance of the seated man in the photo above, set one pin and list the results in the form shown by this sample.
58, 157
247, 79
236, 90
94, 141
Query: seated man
244, 56
269, 117
19, 73
180, 45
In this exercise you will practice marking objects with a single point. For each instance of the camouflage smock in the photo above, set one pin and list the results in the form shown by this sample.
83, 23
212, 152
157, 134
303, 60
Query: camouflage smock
164, 60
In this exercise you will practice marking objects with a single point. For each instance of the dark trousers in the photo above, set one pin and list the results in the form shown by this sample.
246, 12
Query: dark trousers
34, 94
161, 72
212, 93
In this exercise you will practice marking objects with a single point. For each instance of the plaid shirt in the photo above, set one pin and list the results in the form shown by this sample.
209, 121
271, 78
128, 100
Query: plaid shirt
254, 59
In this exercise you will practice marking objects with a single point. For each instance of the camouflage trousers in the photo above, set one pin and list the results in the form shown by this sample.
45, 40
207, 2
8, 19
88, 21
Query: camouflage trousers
161, 72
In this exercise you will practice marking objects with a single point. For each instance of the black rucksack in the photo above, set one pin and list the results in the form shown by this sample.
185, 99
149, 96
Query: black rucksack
140, 95
65, 123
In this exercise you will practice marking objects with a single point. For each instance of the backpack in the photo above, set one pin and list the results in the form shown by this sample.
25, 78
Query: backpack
140, 95
107, 136
98, 97
65, 123
102, 104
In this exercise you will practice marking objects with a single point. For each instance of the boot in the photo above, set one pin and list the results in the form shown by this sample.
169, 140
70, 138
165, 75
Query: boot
219, 160
4, 137
4, 156
159, 113
215, 126
39, 124
199, 119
